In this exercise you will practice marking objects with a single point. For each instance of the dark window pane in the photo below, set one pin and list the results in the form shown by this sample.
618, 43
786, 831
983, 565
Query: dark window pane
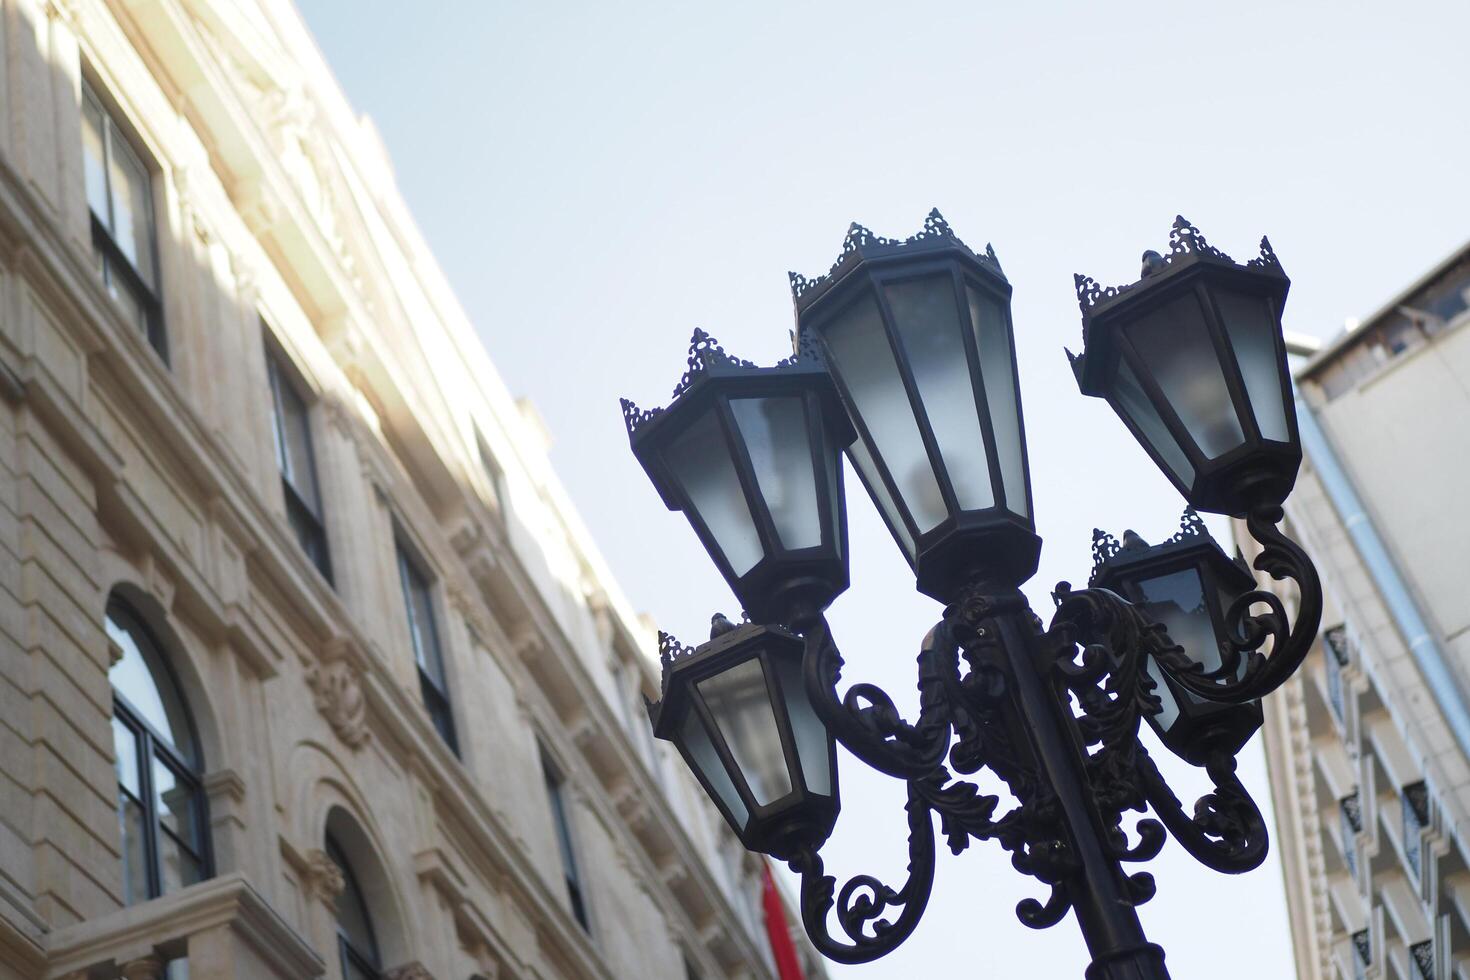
94, 156
437, 703
132, 209
309, 532
125, 745
292, 431
134, 852
120, 197
564, 841
141, 678
178, 803
420, 608
354, 924
178, 866
161, 806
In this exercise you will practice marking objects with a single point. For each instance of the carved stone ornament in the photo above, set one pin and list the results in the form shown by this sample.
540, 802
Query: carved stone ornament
337, 692
409, 971
323, 878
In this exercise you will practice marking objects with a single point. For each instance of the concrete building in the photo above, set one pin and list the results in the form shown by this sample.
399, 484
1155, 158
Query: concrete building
1369, 747
307, 667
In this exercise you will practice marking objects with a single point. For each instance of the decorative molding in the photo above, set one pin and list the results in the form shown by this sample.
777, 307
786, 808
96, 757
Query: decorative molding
336, 689
324, 880
225, 784
409, 971
143, 968
93, 946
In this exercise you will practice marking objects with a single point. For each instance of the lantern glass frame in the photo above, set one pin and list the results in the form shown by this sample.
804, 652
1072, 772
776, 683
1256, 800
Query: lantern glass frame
782, 824
711, 432
909, 404
1190, 726
1192, 358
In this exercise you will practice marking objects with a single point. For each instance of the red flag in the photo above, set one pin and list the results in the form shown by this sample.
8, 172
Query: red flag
783, 950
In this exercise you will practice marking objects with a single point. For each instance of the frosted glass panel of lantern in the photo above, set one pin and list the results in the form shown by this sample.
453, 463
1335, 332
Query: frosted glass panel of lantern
706, 762
1136, 407
862, 461
1251, 327
1174, 345
1176, 601
993, 341
927, 320
861, 359
700, 461
813, 745
779, 443
832, 474
1168, 705
740, 703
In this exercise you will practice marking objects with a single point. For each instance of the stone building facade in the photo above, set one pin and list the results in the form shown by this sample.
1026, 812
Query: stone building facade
1369, 747
307, 667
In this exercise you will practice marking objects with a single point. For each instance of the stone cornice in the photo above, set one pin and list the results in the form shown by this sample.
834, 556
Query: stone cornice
226, 900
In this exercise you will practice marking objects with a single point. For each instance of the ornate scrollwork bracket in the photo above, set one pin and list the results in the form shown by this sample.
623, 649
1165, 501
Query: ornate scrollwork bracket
1290, 637
1096, 653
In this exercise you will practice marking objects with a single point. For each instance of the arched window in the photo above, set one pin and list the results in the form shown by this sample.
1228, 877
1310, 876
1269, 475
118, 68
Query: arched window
165, 840
357, 946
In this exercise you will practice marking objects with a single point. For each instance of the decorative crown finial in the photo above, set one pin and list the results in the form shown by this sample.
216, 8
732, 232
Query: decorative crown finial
1185, 242
670, 650
859, 242
1104, 547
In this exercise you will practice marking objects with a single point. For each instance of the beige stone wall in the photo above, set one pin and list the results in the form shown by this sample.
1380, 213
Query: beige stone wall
1359, 726
122, 474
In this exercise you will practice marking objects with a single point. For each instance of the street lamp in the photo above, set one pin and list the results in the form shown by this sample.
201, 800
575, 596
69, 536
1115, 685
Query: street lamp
1186, 585
738, 712
906, 361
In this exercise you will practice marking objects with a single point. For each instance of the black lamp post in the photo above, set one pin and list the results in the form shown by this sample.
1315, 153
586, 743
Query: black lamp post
906, 361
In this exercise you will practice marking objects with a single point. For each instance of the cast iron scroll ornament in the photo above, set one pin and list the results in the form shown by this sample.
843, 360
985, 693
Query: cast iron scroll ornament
1096, 647
1290, 639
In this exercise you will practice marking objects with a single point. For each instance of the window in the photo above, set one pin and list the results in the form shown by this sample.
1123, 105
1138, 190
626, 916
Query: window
1414, 804
120, 197
555, 793
424, 635
1335, 656
357, 946
493, 473
160, 802
291, 427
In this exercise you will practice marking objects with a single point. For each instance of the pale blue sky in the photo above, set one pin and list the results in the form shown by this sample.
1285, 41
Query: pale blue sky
598, 179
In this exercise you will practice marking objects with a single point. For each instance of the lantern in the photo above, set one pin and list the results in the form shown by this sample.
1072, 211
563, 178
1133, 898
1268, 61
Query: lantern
1186, 585
917, 337
1192, 359
736, 708
752, 456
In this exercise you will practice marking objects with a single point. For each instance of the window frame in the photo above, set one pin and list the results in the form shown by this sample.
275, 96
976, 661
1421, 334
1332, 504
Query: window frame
308, 526
434, 691
108, 253
347, 953
566, 843
152, 746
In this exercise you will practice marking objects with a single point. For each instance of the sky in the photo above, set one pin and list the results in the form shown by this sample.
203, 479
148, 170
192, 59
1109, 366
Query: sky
599, 179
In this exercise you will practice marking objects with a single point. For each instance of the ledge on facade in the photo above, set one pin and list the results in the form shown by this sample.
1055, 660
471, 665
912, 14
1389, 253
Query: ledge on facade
172, 926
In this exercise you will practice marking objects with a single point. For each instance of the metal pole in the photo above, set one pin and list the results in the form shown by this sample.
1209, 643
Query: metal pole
1110, 925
